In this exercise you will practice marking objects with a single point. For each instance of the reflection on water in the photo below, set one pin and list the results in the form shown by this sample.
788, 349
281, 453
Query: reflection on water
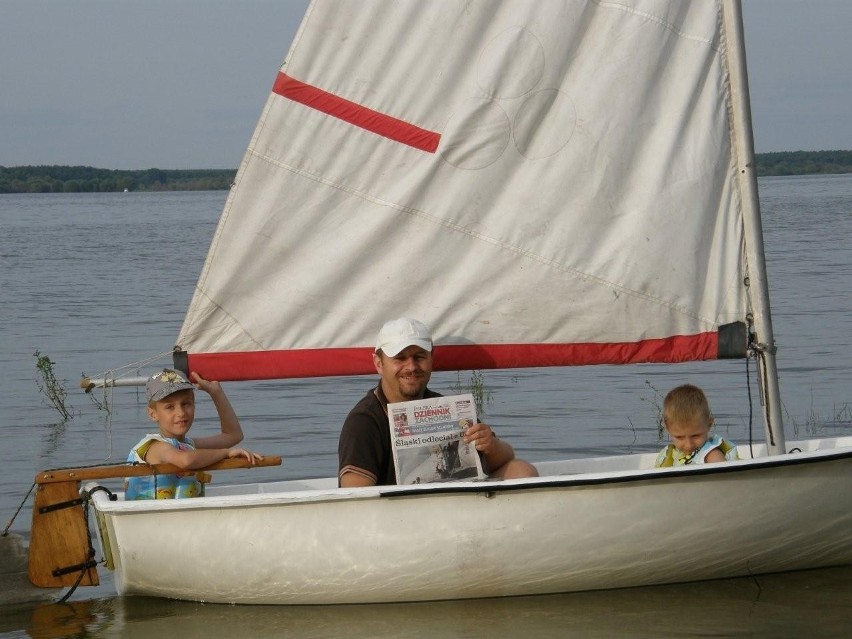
808, 603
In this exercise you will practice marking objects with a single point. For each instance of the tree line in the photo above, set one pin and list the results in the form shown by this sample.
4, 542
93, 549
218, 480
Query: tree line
86, 179
803, 162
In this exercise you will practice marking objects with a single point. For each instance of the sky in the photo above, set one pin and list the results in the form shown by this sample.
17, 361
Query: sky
179, 84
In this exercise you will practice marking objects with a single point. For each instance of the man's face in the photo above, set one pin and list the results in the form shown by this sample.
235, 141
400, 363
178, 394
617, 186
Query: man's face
404, 376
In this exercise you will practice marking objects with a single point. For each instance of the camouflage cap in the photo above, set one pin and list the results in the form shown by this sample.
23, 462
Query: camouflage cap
167, 381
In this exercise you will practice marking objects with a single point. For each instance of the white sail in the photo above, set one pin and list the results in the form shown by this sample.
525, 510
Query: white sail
543, 182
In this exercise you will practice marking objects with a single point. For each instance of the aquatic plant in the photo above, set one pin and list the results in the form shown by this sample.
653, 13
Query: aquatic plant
476, 387
51, 387
843, 415
657, 404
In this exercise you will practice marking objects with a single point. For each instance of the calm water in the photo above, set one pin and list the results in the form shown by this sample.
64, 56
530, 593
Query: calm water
97, 281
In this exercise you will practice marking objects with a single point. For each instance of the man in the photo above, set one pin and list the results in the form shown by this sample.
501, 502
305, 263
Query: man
403, 360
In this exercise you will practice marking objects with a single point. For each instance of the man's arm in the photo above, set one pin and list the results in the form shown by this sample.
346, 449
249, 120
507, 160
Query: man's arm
498, 457
361, 450
493, 451
353, 477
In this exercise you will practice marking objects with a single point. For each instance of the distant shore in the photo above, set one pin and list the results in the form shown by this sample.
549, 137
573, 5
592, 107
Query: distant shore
86, 179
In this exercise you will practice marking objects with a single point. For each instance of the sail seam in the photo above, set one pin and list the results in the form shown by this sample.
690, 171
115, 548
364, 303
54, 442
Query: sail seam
656, 19
483, 238
190, 333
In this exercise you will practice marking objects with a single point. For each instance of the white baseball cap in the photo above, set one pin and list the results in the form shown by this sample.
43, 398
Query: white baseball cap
399, 334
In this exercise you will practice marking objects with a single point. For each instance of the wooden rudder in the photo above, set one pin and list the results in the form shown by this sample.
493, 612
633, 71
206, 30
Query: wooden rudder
59, 541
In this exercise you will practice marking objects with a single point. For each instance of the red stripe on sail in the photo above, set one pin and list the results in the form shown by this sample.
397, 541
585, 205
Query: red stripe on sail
321, 362
670, 350
330, 362
356, 114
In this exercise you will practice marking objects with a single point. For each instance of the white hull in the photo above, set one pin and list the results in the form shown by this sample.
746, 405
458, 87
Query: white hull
570, 530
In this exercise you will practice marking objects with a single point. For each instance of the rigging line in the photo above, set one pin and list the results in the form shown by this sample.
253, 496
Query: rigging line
765, 389
126, 368
23, 501
751, 351
98, 465
107, 395
760, 352
750, 409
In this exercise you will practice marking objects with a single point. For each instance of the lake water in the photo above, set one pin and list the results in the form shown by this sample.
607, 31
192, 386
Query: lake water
97, 281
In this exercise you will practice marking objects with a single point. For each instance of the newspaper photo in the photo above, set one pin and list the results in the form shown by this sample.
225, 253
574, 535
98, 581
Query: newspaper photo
426, 438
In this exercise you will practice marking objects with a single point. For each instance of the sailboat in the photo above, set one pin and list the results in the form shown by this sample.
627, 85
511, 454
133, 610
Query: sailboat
544, 183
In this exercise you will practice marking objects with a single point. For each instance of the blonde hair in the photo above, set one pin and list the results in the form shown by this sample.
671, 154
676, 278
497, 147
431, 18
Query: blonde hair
686, 403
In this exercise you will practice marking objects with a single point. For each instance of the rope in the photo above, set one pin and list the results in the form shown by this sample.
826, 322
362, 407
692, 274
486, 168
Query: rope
87, 498
751, 351
107, 394
758, 351
74, 587
98, 465
750, 410
110, 376
23, 501
762, 359
133, 367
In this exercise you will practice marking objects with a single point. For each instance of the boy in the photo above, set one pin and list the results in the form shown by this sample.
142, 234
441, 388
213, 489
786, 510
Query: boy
171, 404
687, 418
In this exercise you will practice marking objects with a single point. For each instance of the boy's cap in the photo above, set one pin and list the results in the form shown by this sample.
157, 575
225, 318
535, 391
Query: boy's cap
399, 334
164, 383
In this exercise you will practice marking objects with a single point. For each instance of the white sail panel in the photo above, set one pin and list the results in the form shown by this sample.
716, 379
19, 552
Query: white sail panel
579, 188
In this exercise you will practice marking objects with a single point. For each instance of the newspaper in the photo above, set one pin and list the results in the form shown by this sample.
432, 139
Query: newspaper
426, 438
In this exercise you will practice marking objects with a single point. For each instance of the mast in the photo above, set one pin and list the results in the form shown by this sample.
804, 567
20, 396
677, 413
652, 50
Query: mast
743, 143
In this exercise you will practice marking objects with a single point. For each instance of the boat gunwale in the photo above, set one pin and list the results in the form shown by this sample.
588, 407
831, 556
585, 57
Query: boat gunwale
644, 474
317, 495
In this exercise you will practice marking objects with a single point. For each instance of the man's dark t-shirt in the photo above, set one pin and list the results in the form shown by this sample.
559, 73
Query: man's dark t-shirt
365, 441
